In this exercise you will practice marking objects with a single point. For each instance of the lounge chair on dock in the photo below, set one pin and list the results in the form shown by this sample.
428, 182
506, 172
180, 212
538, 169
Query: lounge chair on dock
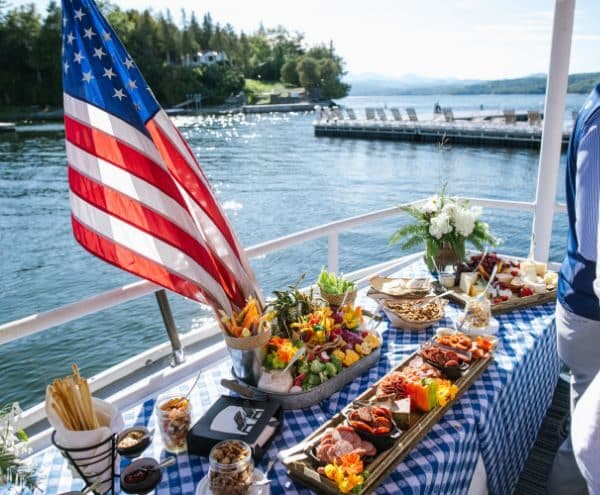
396, 114
448, 114
381, 114
370, 113
534, 118
337, 114
412, 114
350, 113
510, 117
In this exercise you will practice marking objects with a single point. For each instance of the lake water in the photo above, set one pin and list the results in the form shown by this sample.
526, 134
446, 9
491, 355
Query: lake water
273, 177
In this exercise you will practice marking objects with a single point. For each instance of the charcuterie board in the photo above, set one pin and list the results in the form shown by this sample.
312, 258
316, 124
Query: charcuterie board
304, 468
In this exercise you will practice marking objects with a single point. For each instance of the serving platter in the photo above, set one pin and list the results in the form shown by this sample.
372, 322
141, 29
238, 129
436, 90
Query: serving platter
513, 304
308, 398
303, 469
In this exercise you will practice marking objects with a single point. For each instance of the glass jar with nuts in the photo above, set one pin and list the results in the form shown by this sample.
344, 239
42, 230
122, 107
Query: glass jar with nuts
479, 313
231, 468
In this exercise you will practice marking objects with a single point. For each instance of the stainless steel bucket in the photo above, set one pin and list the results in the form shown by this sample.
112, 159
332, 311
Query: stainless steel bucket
247, 364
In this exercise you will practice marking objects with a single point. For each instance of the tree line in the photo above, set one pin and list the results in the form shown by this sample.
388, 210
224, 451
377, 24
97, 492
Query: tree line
30, 51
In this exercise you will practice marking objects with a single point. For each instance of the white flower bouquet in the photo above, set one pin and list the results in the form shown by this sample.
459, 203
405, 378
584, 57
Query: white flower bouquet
444, 224
14, 472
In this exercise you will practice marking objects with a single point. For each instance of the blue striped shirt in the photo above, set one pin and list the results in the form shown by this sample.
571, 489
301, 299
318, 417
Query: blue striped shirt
578, 282
588, 191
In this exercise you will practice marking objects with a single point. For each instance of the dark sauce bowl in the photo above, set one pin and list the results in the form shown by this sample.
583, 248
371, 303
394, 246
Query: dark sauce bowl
137, 449
151, 480
453, 373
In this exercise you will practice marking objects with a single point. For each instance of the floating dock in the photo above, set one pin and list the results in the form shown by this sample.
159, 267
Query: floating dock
463, 132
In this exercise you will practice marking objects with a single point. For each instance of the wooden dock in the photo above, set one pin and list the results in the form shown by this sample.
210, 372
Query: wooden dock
459, 132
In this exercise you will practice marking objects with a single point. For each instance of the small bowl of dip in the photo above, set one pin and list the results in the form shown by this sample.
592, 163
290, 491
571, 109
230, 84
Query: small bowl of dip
133, 441
447, 279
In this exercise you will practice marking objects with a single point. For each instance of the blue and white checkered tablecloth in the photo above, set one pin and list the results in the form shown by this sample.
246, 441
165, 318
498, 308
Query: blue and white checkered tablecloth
497, 418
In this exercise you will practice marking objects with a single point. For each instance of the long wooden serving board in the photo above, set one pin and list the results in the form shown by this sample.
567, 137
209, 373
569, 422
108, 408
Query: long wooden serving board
513, 304
302, 469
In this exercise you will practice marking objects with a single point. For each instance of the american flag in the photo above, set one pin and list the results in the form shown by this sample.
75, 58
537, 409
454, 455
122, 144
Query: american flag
139, 199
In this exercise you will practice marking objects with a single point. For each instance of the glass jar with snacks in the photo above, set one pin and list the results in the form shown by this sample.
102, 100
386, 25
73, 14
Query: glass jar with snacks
479, 313
174, 419
231, 468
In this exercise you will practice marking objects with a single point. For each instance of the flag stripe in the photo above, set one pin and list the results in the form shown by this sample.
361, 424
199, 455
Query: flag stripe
112, 125
120, 206
147, 246
163, 121
136, 188
180, 169
177, 138
118, 153
126, 259
218, 236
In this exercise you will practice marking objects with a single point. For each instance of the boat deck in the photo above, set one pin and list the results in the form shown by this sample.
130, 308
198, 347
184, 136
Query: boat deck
551, 434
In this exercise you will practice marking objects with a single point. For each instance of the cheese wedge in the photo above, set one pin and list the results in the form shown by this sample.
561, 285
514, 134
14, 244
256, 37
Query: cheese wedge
536, 287
541, 268
476, 290
467, 279
528, 270
551, 278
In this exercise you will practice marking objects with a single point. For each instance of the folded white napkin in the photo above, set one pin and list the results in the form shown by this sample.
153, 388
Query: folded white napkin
111, 421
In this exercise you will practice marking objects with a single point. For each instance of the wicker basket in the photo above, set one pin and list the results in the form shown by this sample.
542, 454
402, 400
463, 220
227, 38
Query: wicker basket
337, 299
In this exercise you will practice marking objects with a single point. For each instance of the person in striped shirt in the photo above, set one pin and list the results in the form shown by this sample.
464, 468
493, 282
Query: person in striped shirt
578, 306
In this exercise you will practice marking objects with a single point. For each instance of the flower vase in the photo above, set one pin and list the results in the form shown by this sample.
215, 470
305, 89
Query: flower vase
444, 256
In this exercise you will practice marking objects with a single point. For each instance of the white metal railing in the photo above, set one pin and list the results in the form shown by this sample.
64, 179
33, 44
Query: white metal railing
35, 323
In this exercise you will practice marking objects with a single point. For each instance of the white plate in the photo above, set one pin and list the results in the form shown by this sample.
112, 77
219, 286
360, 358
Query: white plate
203, 487
491, 329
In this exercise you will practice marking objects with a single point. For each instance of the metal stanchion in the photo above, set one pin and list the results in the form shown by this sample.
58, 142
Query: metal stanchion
178, 356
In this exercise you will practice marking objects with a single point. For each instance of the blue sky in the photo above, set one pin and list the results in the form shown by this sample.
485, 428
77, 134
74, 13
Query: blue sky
435, 38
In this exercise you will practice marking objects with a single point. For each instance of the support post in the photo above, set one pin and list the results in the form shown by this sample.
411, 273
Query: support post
167, 316
333, 252
554, 110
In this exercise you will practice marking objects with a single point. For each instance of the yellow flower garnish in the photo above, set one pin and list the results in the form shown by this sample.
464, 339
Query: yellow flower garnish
346, 472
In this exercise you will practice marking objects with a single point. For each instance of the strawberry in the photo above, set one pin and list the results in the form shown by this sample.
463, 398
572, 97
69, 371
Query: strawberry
525, 291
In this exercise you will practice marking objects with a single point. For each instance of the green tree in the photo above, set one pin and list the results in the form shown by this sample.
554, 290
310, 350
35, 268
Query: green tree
308, 73
289, 72
207, 31
331, 84
47, 57
18, 33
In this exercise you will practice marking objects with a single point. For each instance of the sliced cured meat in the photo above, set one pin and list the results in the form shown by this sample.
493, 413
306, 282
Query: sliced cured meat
343, 447
343, 440
368, 448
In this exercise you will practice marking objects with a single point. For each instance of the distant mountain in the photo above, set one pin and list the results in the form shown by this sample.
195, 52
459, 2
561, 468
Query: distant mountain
414, 85
368, 84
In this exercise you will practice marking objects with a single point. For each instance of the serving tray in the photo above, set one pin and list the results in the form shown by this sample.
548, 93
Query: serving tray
310, 397
301, 468
513, 304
